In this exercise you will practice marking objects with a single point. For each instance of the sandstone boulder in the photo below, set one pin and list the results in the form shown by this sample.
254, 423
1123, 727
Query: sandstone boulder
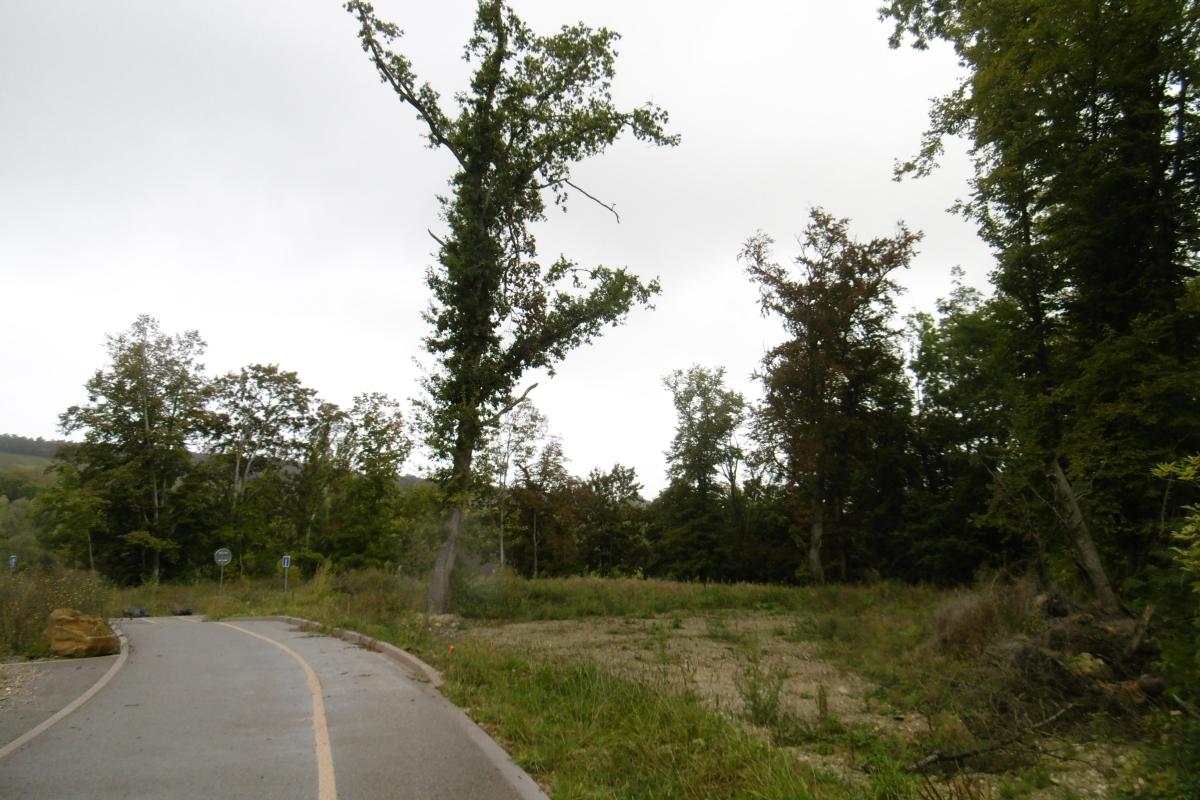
72, 634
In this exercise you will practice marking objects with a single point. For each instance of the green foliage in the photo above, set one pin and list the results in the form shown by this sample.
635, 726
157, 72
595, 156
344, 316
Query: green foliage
138, 499
1182, 651
834, 416
536, 105
610, 536
959, 431
698, 517
1079, 115
516, 599
1187, 553
1171, 770
142, 413
707, 419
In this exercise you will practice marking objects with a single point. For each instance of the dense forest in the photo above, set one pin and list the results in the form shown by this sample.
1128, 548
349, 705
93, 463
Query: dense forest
1044, 425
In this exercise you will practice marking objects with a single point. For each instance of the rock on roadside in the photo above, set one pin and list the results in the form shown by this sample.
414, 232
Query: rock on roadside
72, 634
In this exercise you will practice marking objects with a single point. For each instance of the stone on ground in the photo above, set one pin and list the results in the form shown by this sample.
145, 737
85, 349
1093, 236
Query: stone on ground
72, 634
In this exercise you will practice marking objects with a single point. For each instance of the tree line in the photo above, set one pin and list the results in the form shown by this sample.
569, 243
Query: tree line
168, 463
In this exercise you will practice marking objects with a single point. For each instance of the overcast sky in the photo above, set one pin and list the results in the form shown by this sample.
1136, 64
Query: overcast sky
237, 168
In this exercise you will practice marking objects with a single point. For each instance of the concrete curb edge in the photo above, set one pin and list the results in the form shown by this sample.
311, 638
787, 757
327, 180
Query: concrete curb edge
122, 655
408, 661
525, 787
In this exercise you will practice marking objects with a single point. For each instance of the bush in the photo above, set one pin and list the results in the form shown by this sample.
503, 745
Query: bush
378, 595
966, 623
26, 600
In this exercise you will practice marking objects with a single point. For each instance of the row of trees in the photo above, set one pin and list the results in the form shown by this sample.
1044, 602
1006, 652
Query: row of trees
171, 464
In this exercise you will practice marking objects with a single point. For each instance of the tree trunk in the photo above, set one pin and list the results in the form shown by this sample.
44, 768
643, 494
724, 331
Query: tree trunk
818, 532
502, 529
535, 554
460, 484
439, 585
840, 529
1089, 556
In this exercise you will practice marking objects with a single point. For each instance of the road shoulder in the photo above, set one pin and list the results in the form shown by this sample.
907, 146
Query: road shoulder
32, 692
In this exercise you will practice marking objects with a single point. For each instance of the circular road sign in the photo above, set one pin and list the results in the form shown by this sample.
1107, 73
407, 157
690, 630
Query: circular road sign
223, 556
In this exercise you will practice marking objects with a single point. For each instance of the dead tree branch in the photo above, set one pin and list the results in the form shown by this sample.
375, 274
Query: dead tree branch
941, 758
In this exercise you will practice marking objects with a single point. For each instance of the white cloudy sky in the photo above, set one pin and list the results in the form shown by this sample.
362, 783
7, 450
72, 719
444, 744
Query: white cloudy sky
236, 167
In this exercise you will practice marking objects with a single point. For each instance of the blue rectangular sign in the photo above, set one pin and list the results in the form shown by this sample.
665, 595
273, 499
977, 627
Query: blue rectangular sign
287, 561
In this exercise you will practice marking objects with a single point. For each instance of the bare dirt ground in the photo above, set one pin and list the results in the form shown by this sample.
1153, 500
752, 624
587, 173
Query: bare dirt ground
704, 655
14, 681
712, 656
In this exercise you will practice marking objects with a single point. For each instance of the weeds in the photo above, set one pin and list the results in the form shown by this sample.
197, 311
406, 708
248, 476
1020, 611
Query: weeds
518, 600
602, 736
960, 787
760, 690
719, 631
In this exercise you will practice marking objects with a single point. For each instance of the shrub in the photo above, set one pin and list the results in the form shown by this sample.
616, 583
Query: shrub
967, 622
377, 595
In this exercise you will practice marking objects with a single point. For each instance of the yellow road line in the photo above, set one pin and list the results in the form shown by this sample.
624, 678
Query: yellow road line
326, 785
20, 741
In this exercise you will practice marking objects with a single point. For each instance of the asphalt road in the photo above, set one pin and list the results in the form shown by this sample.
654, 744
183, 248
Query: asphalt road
251, 709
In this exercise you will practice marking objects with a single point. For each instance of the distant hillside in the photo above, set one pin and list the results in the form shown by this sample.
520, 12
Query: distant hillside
8, 460
21, 451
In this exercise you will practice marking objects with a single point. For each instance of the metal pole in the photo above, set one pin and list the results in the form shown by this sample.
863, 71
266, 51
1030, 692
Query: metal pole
221, 582
285, 572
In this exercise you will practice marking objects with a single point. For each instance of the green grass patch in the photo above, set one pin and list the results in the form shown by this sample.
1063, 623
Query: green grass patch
590, 734
519, 600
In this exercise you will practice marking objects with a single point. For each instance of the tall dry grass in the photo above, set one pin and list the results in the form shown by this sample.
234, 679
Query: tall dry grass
967, 621
27, 598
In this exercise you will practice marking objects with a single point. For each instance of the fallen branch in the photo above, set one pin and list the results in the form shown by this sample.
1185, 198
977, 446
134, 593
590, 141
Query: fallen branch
1188, 708
941, 758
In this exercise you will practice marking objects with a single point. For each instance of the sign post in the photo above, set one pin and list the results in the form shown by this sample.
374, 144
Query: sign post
287, 563
222, 557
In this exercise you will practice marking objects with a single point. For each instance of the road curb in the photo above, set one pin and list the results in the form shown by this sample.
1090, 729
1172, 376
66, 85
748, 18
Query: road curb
16, 744
422, 671
525, 787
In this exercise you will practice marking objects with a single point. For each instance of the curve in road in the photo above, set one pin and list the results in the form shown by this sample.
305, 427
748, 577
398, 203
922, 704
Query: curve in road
204, 710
